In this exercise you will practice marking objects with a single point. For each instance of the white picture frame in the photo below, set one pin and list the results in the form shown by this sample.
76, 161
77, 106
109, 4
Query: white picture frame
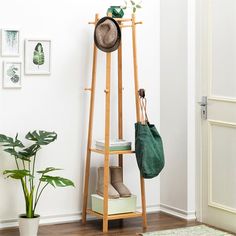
10, 42
38, 56
12, 74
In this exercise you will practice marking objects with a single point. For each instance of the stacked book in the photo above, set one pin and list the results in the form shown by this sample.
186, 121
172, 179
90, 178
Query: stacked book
115, 145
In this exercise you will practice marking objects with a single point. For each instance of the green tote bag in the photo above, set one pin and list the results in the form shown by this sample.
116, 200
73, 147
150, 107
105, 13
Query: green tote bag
148, 145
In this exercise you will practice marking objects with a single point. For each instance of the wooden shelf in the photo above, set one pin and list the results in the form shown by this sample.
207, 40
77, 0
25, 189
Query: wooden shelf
116, 216
112, 152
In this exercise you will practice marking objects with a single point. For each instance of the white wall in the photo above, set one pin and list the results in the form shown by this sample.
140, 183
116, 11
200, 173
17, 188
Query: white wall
59, 103
174, 102
178, 106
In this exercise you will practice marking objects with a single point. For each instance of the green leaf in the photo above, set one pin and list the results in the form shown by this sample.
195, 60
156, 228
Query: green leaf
57, 181
49, 169
10, 142
41, 137
11, 151
16, 174
138, 6
16, 154
132, 2
38, 58
5, 139
17, 142
134, 9
30, 151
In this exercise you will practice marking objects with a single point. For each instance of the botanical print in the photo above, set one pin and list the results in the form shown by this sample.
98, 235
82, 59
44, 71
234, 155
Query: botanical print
12, 75
10, 43
37, 57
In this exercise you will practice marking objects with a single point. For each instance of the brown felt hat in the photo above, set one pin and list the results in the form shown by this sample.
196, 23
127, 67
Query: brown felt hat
107, 34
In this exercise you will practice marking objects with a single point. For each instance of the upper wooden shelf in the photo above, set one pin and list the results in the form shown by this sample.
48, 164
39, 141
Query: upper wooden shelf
112, 152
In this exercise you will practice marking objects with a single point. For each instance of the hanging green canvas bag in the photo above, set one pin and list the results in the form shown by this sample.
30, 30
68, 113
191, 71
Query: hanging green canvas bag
148, 144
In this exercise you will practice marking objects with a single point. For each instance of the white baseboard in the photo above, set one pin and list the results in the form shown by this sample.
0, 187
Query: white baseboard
44, 220
177, 212
8, 223
74, 217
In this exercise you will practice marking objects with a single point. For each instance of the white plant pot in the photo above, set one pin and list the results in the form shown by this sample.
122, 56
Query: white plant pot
28, 226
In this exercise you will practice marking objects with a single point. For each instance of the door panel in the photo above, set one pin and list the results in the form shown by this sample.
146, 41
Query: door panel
221, 110
223, 22
222, 165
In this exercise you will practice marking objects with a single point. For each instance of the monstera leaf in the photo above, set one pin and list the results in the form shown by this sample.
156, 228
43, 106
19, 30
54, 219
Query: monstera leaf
16, 154
41, 137
38, 58
10, 142
29, 151
16, 174
47, 170
56, 181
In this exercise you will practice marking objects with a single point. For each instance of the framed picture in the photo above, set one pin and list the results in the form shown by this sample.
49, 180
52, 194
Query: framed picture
12, 74
37, 57
10, 39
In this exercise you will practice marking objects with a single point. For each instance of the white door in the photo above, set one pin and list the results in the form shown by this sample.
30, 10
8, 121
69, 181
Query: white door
218, 131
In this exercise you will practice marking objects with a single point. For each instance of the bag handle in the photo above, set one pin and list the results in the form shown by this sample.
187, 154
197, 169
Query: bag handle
143, 106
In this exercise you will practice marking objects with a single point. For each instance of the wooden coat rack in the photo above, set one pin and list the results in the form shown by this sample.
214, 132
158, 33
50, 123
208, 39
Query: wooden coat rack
131, 24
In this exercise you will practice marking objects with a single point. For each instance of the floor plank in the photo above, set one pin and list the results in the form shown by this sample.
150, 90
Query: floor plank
156, 221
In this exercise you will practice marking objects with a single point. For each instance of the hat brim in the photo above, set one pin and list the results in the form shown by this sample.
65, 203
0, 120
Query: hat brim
117, 43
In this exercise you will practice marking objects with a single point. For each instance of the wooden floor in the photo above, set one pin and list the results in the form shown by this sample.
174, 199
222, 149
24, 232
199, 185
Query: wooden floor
156, 221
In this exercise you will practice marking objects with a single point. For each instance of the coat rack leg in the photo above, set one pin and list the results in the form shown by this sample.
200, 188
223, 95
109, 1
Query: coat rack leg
90, 130
120, 101
144, 214
136, 86
107, 142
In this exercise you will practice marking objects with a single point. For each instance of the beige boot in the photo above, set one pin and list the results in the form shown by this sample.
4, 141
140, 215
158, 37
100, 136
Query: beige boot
112, 193
117, 181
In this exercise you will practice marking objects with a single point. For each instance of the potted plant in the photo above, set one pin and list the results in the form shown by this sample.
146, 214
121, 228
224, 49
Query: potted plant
118, 11
134, 5
25, 173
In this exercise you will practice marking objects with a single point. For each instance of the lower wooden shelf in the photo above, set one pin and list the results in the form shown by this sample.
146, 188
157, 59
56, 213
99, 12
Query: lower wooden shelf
117, 216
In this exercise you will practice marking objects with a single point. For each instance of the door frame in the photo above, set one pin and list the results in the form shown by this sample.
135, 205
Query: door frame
201, 46
192, 145
195, 33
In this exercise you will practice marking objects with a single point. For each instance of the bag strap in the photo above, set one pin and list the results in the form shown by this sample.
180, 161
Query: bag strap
143, 106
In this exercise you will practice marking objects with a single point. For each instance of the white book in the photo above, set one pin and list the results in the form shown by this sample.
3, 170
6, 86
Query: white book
114, 143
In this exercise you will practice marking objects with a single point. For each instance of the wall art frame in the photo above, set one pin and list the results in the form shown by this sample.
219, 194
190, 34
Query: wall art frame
38, 56
10, 42
12, 74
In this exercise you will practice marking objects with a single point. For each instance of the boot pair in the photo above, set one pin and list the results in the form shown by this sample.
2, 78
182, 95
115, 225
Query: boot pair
116, 188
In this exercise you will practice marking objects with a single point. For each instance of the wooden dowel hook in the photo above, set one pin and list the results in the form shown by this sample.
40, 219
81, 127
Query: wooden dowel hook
125, 26
88, 89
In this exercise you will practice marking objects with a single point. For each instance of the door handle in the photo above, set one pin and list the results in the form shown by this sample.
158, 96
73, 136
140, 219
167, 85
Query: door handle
203, 105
